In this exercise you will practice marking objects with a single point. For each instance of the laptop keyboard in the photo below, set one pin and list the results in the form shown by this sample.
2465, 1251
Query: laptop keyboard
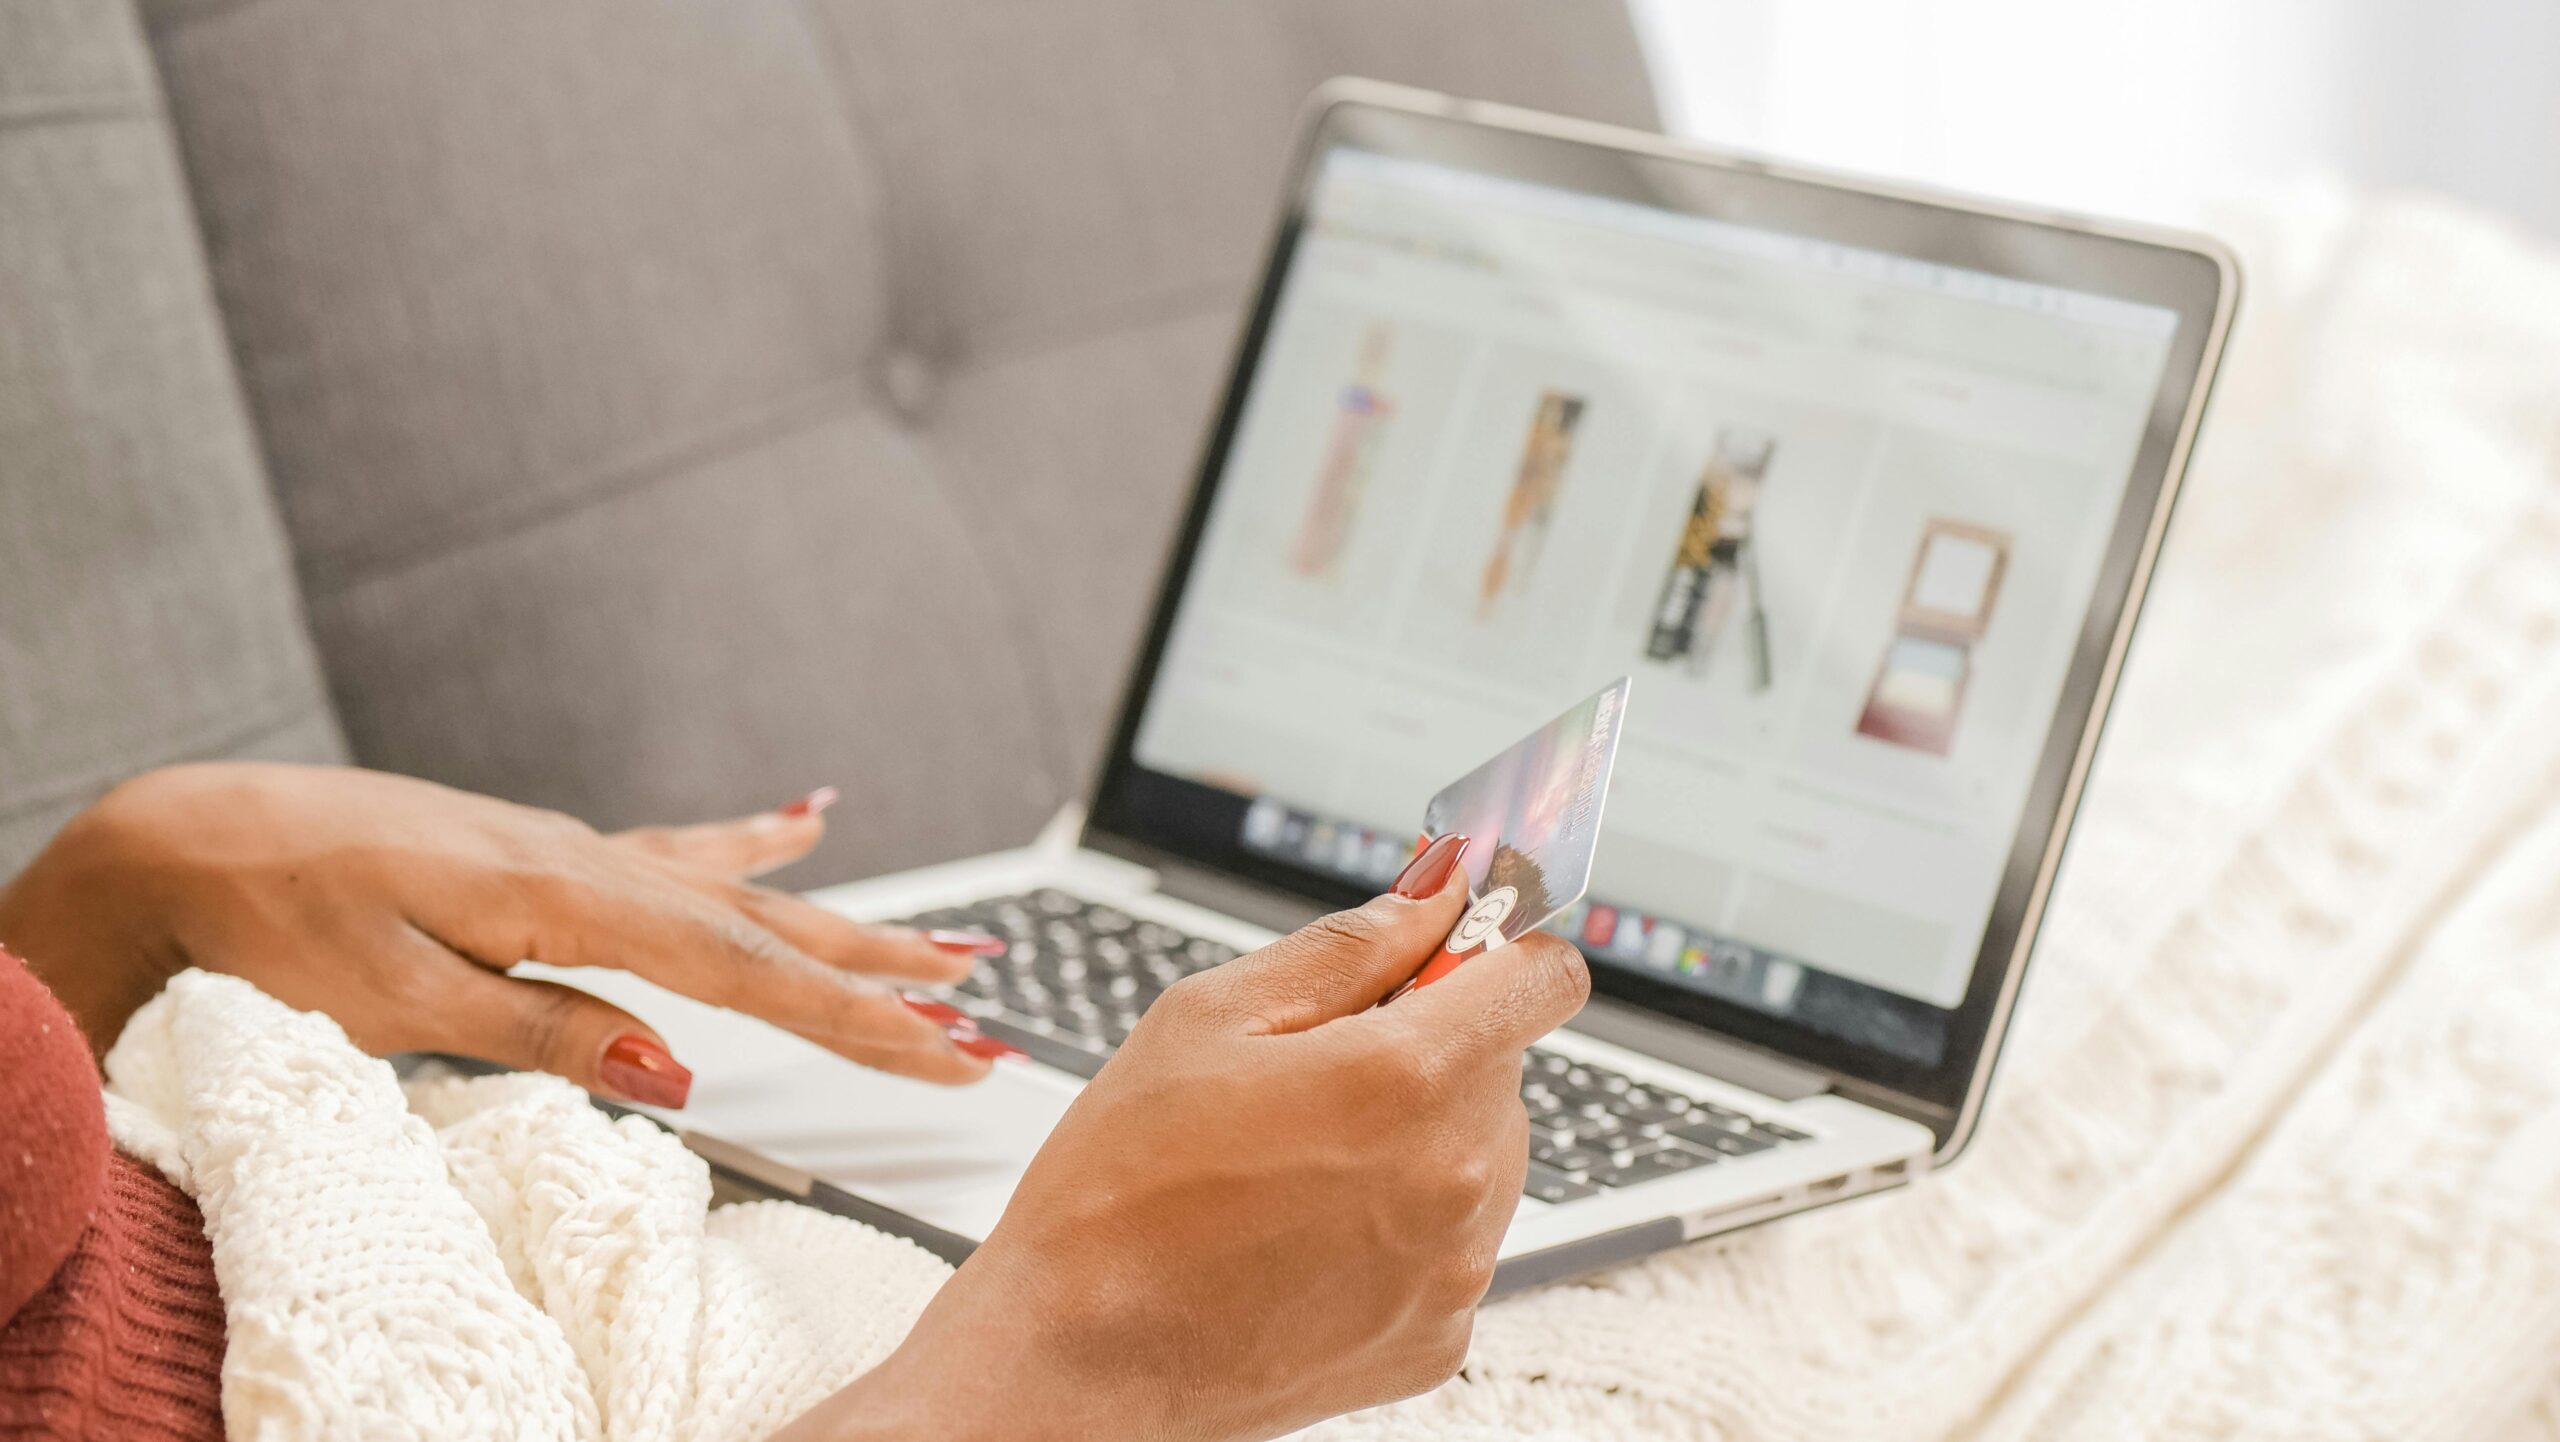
1076, 976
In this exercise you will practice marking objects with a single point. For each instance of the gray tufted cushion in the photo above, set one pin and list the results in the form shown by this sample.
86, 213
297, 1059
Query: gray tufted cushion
147, 610
677, 405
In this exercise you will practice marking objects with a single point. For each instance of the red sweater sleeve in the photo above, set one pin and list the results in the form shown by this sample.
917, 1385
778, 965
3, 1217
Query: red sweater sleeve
110, 1322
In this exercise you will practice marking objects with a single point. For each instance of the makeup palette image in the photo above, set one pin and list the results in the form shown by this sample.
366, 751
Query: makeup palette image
1716, 561
1360, 421
1530, 507
1946, 606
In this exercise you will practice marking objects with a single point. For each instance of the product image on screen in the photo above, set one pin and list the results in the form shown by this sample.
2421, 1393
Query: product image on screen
1919, 687
1712, 563
1359, 425
1841, 512
1530, 506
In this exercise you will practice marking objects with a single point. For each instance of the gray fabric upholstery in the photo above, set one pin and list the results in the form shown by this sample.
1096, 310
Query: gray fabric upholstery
147, 605
674, 406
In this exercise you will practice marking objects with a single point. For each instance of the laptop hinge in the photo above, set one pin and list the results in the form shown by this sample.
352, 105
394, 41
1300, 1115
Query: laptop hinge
1700, 1051
1678, 1043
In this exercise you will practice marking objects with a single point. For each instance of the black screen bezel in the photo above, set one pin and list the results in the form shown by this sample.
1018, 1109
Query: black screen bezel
1146, 812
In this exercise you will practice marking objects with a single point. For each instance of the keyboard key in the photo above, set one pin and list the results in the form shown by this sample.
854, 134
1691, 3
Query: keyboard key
1640, 1104
1577, 1162
1662, 1162
1552, 1186
1715, 1138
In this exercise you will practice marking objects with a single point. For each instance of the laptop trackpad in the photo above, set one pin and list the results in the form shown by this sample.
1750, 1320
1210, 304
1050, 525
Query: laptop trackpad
949, 1156
942, 1155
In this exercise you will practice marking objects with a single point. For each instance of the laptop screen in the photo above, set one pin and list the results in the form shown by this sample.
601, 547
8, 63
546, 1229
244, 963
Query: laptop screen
1840, 512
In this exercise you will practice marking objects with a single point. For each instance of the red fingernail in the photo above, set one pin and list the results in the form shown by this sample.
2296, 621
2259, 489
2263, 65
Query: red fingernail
1427, 873
970, 943
812, 804
638, 1069
984, 1046
941, 1012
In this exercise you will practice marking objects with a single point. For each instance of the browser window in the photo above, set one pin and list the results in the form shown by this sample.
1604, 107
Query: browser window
1840, 514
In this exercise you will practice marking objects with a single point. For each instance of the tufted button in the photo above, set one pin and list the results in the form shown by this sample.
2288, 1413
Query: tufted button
911, 383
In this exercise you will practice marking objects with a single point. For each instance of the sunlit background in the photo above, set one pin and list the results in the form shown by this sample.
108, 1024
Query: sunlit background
2149, 110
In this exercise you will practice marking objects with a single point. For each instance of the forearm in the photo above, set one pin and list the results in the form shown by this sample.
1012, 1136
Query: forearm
1001, 1353
912, 1398
877, 1407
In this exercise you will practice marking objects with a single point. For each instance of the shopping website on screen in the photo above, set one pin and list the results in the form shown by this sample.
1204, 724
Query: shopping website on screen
1839, 513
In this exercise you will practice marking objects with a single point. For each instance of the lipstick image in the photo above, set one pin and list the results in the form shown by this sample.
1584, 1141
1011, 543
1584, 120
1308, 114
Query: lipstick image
1360, 415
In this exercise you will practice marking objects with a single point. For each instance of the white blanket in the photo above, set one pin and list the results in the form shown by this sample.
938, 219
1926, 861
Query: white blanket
2275, 1149
486, 1258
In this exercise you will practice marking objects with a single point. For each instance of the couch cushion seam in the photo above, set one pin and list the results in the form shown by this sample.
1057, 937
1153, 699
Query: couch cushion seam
339, 569
1006, 345
76, 109
343, 568
956, 497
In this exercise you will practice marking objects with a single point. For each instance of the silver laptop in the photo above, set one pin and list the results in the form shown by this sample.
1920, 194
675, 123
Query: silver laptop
1861, 485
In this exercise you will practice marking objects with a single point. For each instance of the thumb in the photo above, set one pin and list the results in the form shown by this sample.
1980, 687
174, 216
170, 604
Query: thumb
1347, 962
1501, 1000
544, 1026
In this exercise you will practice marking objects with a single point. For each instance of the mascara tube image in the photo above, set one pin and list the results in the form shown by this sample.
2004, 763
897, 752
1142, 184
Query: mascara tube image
1715, 564
1360, 415
1530, 507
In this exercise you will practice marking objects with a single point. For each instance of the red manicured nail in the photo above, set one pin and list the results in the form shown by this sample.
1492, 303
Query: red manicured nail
1427, 873
638, 1069
812, 804
984, 1046
968, 943
940, 1012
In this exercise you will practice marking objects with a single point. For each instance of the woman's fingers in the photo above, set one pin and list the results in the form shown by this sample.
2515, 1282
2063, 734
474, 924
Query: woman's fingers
850, 1015
713, 859
954, 1057
934, 957
644, 921
747, 846
542, 1026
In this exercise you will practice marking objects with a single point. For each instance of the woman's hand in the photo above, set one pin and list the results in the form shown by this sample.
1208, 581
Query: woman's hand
1275, 1204
396, 907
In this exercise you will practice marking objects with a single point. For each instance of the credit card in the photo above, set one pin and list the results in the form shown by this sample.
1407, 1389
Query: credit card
1533, 816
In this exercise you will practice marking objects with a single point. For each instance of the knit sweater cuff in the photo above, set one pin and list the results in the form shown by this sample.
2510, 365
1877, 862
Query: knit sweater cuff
126, 1341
